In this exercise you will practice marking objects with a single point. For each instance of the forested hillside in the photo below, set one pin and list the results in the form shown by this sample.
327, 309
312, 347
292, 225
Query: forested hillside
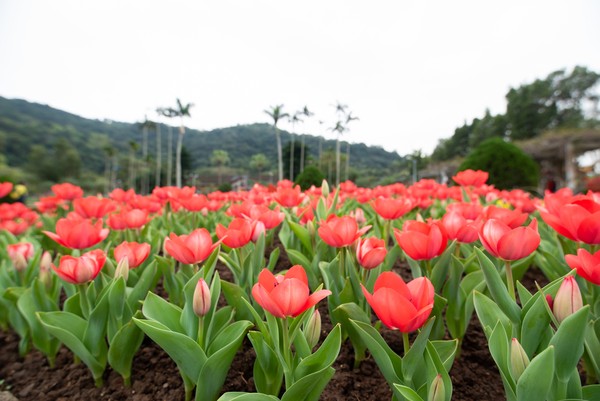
54, 145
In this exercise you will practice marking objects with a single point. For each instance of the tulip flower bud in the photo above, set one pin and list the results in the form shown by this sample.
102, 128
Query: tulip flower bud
518, 359
45, 265
325, 188
259, 229
19, 262
201, 300
568, 299
312, 330
310, 226
437, 391
122, 269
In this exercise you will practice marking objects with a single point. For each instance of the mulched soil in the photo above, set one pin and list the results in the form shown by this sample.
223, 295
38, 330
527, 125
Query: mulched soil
155, 376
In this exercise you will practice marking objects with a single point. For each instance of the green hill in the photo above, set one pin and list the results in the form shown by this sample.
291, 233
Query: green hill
38, 138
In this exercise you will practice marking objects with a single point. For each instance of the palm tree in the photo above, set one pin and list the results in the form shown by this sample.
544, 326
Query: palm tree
349, 119
133, 147
306, 113
339, 129
276, 114
258, 162
169, 113
146, 126
158, 150
109, 152
294, 120
181, 111
340, 110
219, 158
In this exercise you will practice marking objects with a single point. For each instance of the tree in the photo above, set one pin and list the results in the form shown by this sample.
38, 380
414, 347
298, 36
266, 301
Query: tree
180, 111
219, 158
133, 147
339, 129
306, 113
310, 176
169, 113
509, 167
276, 114
158, 150
259, 162
146, 125
349, 119
552, 102
295, 119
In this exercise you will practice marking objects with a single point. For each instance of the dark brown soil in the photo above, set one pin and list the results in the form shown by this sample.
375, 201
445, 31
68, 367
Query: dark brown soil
155, 377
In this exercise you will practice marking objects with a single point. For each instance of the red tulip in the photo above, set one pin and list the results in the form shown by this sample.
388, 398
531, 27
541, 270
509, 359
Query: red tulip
508, 243
288, 197
194, 203
392, 208
67, 191
78, 233
135, 253
5, 188
190, 249
401, 306
93, 207
340, 231
586, 264
286, 295
512, 218
422, 241
238, 234
575, 217
270, 218
370, 252
132, 219
20, 253
459, 228
82, 269
471, 178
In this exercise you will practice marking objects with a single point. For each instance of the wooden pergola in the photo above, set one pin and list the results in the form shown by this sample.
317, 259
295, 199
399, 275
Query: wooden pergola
557, 154
555, 151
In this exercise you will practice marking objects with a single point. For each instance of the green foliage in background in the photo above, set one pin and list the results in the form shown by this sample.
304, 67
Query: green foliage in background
509, 167
310, 176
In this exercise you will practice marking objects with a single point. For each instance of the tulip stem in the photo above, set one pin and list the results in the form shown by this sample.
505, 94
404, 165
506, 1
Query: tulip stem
386, 231
285, 334
509, 280
343, 262
201, 331
83, 300
406, 342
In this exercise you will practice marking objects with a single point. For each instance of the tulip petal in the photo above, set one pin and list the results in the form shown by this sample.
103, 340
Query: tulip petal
518, 243
264, 299
290, 295
394, 310
393, 281
297, 272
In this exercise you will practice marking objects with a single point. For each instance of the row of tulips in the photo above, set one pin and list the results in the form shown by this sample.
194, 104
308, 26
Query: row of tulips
466, 246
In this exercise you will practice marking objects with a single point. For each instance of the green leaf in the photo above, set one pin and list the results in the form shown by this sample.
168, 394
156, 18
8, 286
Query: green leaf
123, 348
164, 312
145, 283
310, 387
237, 396
184, 351
267, 371
439, 271
414, 357
351, 311
535, 321
388, 362
215, 369
489, 313
568, 343
446, 350
70, 329
323, 358
235, 296
537, 378
591, 392
498, 288
303, 235
408, 393
499, 345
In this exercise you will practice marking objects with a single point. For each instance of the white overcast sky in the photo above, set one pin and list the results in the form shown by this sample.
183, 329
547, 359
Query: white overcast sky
412, 71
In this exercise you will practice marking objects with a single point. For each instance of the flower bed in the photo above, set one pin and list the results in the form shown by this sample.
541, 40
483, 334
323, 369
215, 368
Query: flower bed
425, 292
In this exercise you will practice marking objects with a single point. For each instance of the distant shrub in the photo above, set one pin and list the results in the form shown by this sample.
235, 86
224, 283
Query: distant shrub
225, 187
593, 184
310, 176
509, 167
